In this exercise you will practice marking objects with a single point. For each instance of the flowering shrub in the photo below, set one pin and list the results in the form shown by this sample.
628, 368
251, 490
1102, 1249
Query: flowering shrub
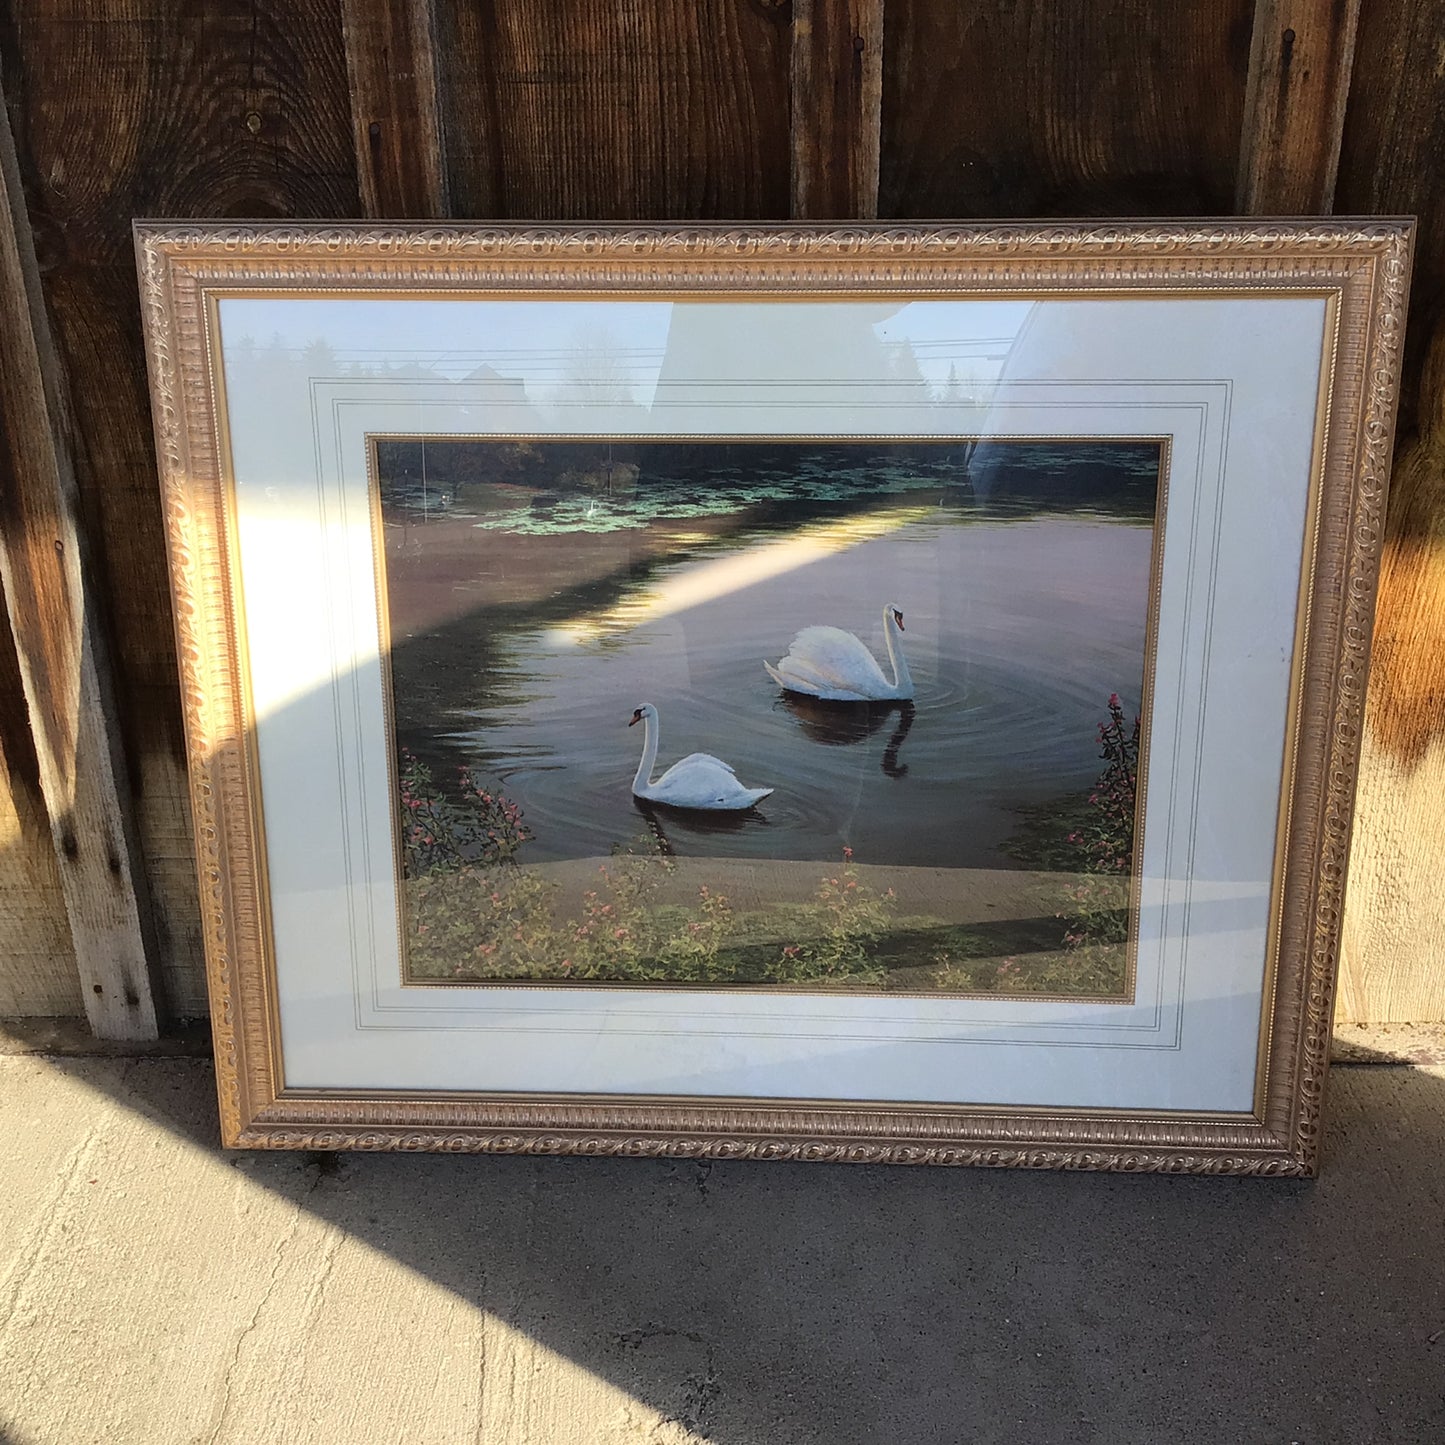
1106, 836
441, 834
849, 918
1094, 970
475, 920
695, 950
473, 923
1090, 837
1097, 908
617, 935
463, 907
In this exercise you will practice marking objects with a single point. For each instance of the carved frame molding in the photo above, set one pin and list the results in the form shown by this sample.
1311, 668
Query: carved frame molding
1364, 263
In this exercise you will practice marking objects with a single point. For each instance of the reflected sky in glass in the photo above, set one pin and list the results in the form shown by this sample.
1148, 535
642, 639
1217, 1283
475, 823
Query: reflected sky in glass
545, 342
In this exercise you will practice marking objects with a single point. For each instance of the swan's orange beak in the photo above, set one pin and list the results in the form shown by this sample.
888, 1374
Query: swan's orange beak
898, 618
635, 718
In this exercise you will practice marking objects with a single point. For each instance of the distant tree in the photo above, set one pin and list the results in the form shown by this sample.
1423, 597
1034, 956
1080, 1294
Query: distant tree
318, 359
903, 363
595, 372
952, 393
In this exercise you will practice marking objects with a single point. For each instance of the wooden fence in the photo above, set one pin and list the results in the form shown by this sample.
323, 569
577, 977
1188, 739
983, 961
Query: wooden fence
603, 110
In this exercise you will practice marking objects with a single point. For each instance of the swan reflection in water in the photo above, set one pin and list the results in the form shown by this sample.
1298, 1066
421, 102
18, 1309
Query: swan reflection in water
693, 821
841, 724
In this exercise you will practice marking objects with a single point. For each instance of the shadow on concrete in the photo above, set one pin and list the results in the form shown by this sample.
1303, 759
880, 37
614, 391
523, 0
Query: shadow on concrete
771, 1304
765, 1303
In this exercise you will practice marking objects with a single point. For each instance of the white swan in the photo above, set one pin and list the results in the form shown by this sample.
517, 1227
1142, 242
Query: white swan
698, 781
831, 664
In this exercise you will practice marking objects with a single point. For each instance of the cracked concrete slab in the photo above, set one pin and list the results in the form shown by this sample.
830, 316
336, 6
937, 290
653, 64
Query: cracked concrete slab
156, 1290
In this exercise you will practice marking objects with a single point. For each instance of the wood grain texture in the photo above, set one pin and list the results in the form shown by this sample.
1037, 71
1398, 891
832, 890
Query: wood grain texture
137, 107
1393, 954
836, 108
1032, 108
60, 654
616, 109
1300, 61
601, 109
392, 65
1390, 158
37, 960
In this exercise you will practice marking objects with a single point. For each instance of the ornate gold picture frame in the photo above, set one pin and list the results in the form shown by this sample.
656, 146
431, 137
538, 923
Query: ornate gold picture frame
1040, 866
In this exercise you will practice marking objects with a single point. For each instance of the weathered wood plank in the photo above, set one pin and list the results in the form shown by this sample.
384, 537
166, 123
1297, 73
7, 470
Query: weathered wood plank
1394, 926
392, 64
1300, 62
1392, 953
837, 108
1390, 160
1033, 108
615, 109
60, 653
139, 107
37, 961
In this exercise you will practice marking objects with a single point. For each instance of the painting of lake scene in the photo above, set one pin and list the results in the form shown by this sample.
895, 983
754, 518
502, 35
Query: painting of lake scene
769, 713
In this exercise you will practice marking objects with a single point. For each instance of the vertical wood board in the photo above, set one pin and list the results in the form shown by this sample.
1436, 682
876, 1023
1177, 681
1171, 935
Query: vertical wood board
615, 109
639, 109
1300, 61
396, 121
59, 653
836, 108
1033, 108
133, 107
1393, 957
37, 961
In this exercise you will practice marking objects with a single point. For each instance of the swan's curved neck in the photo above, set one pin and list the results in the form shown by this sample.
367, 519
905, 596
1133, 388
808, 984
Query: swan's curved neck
901, 679
643, 779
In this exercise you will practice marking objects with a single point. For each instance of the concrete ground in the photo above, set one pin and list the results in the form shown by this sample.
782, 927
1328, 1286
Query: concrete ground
154, 1289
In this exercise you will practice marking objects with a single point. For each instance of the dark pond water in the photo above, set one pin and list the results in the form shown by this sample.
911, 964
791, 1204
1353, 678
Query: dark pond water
1019, 624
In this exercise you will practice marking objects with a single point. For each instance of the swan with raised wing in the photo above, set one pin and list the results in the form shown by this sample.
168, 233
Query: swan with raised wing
828, 663
699, 781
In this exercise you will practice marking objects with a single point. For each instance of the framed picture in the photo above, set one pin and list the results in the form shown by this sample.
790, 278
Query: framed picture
840, 693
